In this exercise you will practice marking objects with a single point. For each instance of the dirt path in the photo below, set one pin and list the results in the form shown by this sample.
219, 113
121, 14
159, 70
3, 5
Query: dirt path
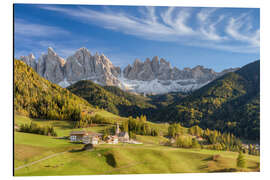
34, 162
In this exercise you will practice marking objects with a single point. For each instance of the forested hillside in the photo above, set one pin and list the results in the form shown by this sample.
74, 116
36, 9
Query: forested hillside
230, 103
111, 98
36, 97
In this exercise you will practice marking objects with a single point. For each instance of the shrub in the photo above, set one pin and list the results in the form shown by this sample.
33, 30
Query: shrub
195, 143
184, 142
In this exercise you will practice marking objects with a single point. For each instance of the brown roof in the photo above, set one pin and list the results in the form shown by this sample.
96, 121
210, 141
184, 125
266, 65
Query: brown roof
77, 132
122, 134
89, 133
93, 133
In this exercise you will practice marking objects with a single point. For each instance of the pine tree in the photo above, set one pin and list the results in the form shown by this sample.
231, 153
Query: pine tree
125, 126
241, 162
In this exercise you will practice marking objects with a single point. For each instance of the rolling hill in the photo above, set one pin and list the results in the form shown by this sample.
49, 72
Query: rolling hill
149, 157
111, 98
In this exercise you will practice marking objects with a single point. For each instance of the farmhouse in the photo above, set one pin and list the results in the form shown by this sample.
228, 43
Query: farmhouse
91, 138
76, 136
85, 137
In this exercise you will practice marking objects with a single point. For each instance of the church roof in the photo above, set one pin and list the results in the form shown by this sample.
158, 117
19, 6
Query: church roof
122, 134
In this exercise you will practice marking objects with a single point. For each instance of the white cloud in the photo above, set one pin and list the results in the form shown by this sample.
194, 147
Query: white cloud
177, 23
208, 27
174, 24
147, 27
235, 30
205, 13
150, 14
25, 28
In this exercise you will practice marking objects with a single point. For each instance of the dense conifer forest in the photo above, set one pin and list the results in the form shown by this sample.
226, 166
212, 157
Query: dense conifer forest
36, 97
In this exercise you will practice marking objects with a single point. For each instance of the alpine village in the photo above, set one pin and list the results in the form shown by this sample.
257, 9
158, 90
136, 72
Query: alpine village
81, 117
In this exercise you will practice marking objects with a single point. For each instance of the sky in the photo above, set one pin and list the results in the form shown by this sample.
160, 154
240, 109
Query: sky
216, 38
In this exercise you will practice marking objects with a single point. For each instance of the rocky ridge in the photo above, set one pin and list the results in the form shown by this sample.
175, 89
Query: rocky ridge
154, 76
80, 66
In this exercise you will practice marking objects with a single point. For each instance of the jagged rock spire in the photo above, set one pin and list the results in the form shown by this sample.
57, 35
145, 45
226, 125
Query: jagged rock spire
154, 75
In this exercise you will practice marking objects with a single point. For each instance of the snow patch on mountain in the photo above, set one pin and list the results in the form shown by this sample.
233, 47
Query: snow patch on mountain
158, 86
64, 83
154, 76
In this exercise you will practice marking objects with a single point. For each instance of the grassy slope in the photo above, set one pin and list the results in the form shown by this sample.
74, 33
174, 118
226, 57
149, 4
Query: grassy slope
113, 159
131, 159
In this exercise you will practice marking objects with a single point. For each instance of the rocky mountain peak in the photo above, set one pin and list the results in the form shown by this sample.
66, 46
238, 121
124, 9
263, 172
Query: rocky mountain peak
150, 76
198, 67
137, 62
51, 52
82, 51
147, 61
30, 60
161, 70
106, 60
31, 56
51, 66
97, 68
155, 58
163, 61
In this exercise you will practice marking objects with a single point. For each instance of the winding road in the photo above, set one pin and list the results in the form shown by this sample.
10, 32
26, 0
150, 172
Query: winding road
45, 158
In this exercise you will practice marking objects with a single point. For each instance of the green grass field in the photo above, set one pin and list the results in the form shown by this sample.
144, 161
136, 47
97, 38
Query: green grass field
149, 157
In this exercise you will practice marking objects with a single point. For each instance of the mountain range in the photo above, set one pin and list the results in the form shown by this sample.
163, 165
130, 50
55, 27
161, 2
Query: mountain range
155, 76
229, 103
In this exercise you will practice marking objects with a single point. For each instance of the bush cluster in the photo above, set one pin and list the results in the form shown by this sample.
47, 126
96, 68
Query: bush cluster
35, 129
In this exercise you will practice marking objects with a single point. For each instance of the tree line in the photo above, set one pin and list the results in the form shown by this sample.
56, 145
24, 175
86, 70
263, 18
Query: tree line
209, 139
36, 129
139, 126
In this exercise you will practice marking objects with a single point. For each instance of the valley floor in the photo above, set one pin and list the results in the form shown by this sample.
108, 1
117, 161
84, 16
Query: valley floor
147, 158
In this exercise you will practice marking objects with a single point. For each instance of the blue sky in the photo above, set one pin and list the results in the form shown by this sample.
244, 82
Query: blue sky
217, 38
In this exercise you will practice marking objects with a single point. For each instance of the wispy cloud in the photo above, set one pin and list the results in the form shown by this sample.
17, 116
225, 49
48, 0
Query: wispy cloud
208, 27
239, 29
25, 28
212, 29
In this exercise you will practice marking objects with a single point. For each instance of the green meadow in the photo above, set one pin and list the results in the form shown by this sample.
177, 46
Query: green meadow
149, 157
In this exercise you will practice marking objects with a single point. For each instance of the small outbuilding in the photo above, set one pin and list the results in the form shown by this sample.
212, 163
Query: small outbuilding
85, 137
76, 136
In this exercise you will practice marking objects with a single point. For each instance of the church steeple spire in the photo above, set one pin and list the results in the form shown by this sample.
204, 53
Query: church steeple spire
117, 129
